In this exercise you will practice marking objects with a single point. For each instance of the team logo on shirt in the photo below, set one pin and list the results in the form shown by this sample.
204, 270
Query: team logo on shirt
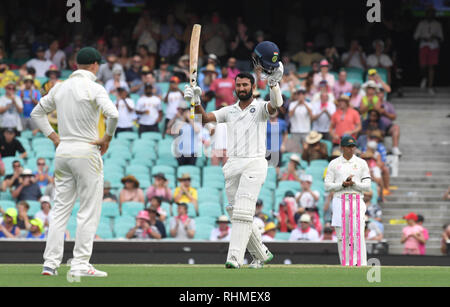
355, 166
252, 110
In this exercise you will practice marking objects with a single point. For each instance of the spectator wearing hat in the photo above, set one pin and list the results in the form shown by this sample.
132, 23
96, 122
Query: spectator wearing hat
286, 213
143, 229
11, 108
56, 55
355, 96
223, 231
174, 99
342, 86
184, 193
23, 219
304, 231
106, 70
53, 74
355, 57
425, 233
159, 188
213, 60
328, 235
163, 74
372, 75
42, 175
380, 59
155, 204
300, 115
6, 75
36, 230
324, 75
293, 170
429, 34
223, 88
126, 108
149, 111
30, 98
23, 72
314, 149
107, 195
270, 230
130, 191
412, 235
323, 108
370, 100
44, 213
8, 227
345, 120
277, 135
181, 226
306, 57
112, 85
206, 77
134, 72
39, 63
10, 145
445, 238
28, 188
388, 115
181, 70
306, 198
156, 222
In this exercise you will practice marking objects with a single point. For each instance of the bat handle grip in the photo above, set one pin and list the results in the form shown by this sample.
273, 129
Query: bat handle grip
192, 109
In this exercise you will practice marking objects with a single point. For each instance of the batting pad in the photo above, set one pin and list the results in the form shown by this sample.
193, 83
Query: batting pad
241, 228
255, 246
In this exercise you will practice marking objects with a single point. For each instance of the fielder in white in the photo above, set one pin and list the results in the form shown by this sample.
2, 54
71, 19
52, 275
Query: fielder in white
78, 101
348, 176
246, 168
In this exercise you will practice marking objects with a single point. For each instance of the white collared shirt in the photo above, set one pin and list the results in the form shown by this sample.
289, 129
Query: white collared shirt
340, 169
246, 129
78, 102
151, 104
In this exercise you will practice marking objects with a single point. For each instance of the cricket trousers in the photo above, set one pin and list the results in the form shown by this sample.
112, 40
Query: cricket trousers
244, 178
78, 173
349, 222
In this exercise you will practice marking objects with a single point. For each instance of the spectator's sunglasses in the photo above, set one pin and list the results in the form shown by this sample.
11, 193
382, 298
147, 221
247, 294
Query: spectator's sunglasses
11, 88
41, 163
17, 165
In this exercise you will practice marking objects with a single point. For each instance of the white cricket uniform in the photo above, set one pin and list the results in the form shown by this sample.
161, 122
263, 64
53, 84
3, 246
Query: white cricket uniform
78, 101
338, 171
298, 235
245, 173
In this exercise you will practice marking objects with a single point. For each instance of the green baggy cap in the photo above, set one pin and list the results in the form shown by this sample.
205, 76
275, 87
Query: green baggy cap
89, 55
348, 140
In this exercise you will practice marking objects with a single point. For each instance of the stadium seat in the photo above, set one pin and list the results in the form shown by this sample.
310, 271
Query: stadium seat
329, 146
304, 69
167, 207
72, 226
134, 169
104, 231
214, 183
132, 208
191, 210
35, 206
127, 135
282, 236
286, 185
65, 73
164, 86
142, 159
110, 209
194, 171
41, 141
5, 196
5, 204
75, 208
205, 220
122, 225
155, 136
125, 155
165, 169
203, 231
212, 209
208, 195
319, 164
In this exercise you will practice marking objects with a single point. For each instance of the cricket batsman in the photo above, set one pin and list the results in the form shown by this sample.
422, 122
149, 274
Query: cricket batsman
246, 168
348, 176
78, 102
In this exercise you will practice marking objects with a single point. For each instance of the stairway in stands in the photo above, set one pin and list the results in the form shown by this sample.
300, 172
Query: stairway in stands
424, 168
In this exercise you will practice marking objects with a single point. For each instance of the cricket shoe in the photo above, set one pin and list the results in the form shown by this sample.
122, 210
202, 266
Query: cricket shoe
90, 271
49, 271
259, 264
232, 264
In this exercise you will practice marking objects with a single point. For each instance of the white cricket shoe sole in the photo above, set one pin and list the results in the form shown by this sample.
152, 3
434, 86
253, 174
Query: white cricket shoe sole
91, 272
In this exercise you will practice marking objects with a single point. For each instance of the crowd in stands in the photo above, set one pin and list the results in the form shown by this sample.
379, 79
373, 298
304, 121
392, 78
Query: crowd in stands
328, 92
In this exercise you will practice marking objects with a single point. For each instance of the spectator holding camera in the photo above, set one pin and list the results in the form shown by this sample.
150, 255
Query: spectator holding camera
12, 180
143, 229
42, 176
355, 57
28, 188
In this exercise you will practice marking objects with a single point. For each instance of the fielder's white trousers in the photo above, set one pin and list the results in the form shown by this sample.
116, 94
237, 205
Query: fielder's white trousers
353, 242
78, 173
244, 178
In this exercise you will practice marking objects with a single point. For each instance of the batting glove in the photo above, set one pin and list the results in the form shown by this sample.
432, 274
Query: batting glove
193, 94
275, 77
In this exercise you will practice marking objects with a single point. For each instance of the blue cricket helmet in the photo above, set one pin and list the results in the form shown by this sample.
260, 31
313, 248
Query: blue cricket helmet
267, 56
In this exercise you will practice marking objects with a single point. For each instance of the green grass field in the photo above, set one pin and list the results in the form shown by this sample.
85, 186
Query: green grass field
217, 276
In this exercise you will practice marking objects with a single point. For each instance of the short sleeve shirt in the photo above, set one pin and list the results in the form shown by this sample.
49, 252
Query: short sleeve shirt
151, 104
246, 129
345, 122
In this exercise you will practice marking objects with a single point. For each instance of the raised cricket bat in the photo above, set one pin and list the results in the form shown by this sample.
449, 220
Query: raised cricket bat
193, 60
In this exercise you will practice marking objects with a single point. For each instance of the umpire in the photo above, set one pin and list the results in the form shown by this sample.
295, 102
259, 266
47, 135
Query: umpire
79, 102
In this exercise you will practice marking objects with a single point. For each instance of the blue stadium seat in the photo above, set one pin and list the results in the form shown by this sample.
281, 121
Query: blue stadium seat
165, 169
319, 164
104, 231
156, 136
35, 206
110, 209
194, 171
167, 160
127, 135
213, 209
137, 170
282, 236
205, 220
203, 231
5, 204
132, 208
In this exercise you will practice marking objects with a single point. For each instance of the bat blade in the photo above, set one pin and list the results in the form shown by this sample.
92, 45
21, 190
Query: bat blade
193, 60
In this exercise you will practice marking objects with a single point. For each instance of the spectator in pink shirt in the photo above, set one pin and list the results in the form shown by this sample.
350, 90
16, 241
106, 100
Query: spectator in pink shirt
323, 74
233, 71
342, 86
412, 235
159, 188
224, 89
426, 236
